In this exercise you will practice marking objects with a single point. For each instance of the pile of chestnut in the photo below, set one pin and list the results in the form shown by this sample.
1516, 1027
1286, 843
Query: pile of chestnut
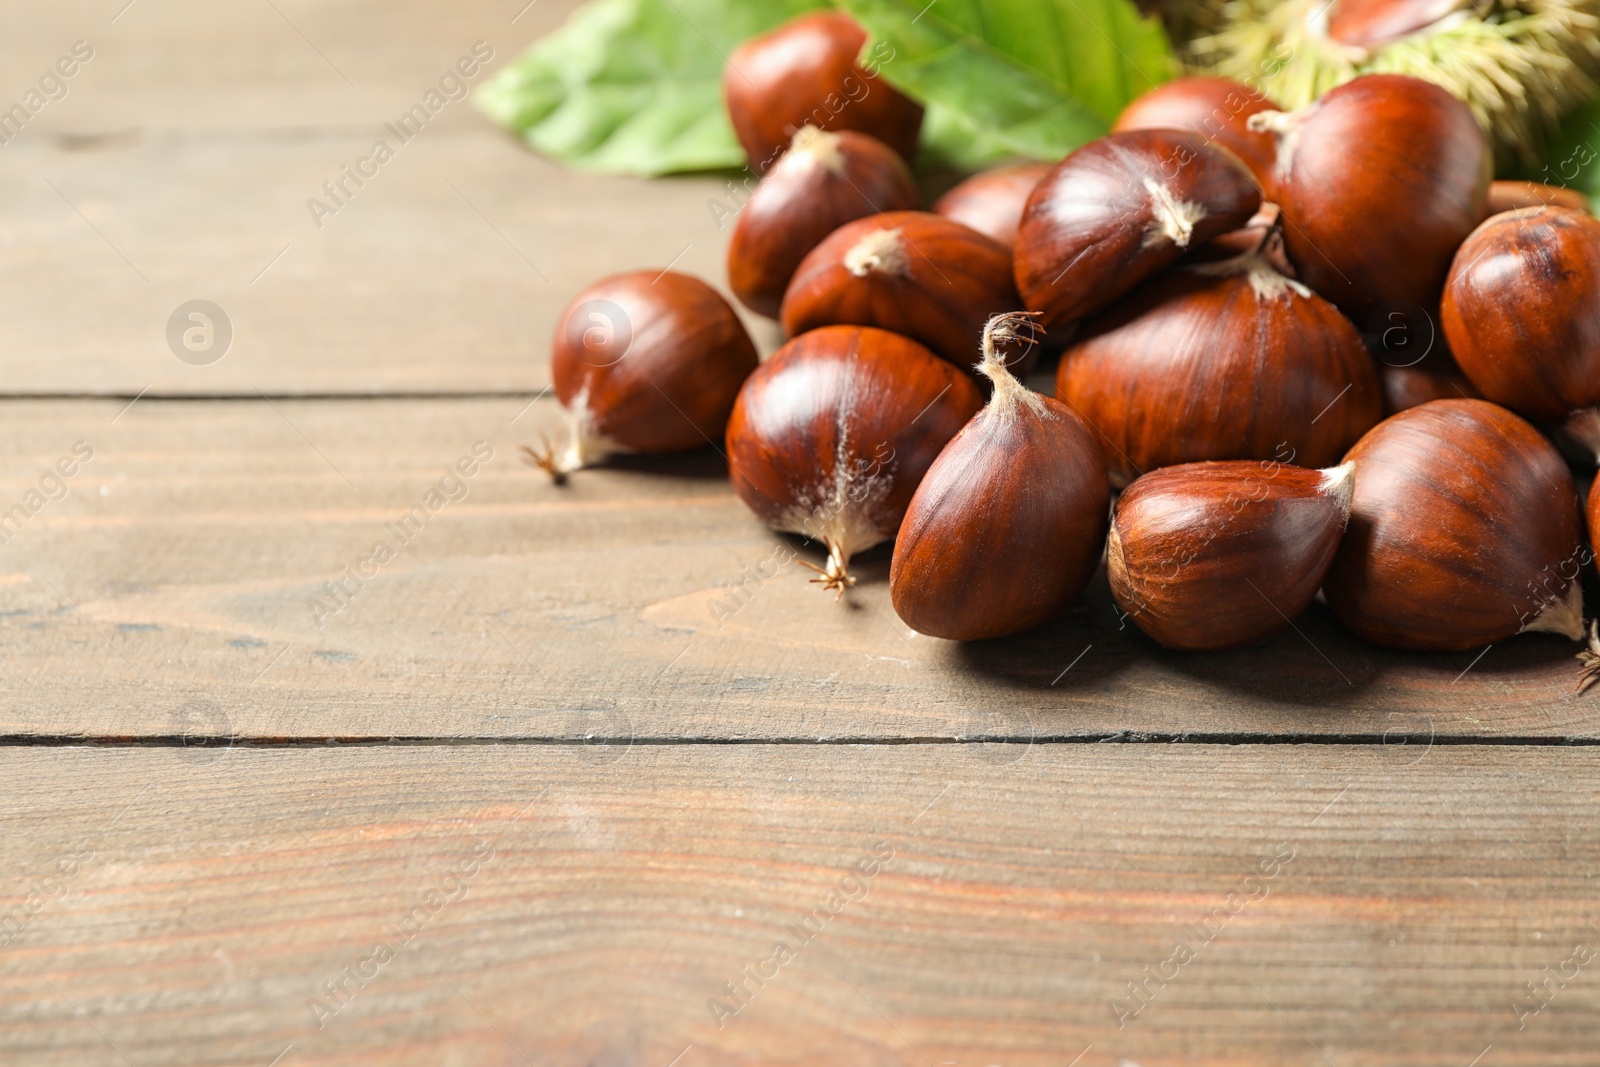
1308, 351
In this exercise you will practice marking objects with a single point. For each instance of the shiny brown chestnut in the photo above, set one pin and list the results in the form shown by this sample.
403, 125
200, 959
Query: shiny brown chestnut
910, 272
649, 361
824, 181
1464, 530
992, 202
1379, 182
1218, 108
1513, 195
1118, 210
1220, 361
831, 436
1009, 522
1209, 556
1521, 312
809, 72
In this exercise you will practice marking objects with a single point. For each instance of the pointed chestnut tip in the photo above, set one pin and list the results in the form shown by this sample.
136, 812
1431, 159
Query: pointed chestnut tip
1564, 616
1340, 484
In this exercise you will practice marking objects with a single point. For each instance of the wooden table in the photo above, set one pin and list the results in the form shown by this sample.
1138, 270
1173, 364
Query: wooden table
523, 796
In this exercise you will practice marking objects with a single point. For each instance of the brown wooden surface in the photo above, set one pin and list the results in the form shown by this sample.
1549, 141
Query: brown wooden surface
1443, 853
221, 889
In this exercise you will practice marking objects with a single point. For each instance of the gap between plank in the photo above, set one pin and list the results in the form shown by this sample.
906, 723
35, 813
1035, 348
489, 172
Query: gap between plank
1390, 740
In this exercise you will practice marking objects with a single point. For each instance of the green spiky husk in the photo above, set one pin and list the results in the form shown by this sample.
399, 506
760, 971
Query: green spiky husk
1520, 67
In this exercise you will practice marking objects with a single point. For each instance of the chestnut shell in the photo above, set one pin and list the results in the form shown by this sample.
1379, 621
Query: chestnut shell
992, 202
910, 272
1118, 210
1218, 108
824, 181
1522, 311
1464, 529
664, 377
805, 72
866, 398
1218, 362
1007, 526
1379, 182
1209, 556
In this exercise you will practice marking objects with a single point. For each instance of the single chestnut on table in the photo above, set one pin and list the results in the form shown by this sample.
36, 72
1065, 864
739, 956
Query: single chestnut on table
1009, 522
1379, 182
910, 272
991, 202
806, 72
1118, 210
831, 436
1522, 314
648, 361
1221, 361
824, 181
1464, 530
1210, 556
1218, 108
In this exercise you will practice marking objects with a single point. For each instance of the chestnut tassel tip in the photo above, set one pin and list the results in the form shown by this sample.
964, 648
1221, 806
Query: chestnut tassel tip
1564, 616
1590, 658
1340, 484
1000, 329
579, 447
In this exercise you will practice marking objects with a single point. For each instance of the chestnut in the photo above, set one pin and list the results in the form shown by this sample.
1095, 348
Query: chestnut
1464, 530
806, 72
1379, 182
1208, 556
824, 181
1521, 312
831, 436
1217, 361
1511, 195
1219, 108
1009, 522
911, 272
649, 361
1118, 210
992, 202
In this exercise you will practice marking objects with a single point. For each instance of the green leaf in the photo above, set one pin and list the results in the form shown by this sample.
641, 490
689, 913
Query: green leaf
633, 86
1038, 77
1572, 159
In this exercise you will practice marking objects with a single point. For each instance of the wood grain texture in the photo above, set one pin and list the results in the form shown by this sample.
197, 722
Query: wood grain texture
154, 183
215, 892
186, 562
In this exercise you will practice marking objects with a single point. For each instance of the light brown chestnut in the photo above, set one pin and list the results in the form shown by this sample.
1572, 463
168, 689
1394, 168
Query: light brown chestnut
1521, 312
1379, 182
910, 272
1219, 361
1464, 530
831, 436
1208, 556
809, 71
1118, 210
649, 361
1009, 522
1219, 109
992, 202
824, 181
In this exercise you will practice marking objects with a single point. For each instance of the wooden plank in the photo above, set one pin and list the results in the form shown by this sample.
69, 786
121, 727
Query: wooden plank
188, 560
205, 898
152, 184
